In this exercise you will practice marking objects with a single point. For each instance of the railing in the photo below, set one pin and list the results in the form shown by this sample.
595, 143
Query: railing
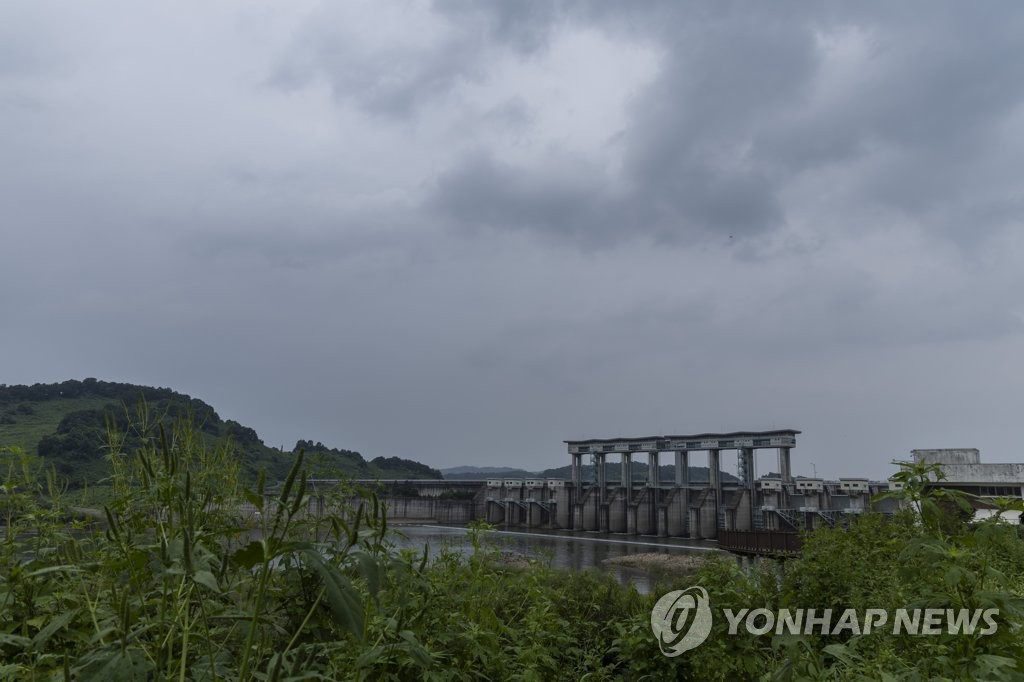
765, 542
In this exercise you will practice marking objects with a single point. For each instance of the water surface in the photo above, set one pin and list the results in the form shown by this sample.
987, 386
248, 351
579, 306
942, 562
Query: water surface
558, 549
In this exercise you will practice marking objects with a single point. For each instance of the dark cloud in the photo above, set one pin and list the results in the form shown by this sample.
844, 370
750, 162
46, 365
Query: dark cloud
524, 26
574, 202
744, 105
562, 198
462, 232
687, 170
395, 79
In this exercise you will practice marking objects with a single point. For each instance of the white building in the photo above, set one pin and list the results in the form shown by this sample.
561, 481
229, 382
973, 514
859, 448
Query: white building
964, 471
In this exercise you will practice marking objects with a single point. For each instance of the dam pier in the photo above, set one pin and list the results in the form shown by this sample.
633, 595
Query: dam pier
681, 507
738, 510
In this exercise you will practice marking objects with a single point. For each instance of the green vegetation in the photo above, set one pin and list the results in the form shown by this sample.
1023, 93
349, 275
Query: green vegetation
67, 424
27, 422
179, 583
929, 556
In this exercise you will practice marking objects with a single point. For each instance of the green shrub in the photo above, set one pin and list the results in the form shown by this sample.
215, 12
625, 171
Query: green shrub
194, 576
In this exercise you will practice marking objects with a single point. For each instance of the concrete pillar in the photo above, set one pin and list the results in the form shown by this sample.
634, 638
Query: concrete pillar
627, 475
563, 502
715, 483
707, 517
576, 463
714, 471
682, 469
591, 513
663, 521
748, 467
784, 466
653, 492
631, 527
683, 492
602, 493
747, 522
617, 513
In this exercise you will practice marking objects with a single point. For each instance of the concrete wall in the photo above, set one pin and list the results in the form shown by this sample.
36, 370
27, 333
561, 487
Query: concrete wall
948, 456
669, 510
617, 511
563, 510
705, 513
743, 517
432, 509
677, 512
495, 512
646, 523
995, 474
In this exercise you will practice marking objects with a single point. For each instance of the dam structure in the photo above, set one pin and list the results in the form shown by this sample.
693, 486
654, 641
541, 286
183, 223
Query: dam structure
746, 512
701, 510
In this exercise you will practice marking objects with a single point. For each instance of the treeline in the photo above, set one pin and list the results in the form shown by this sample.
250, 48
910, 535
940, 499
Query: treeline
359, 467
77, 448
70, 424
94, 388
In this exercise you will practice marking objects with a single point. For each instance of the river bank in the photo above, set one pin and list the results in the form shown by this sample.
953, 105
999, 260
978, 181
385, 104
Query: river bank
658, 561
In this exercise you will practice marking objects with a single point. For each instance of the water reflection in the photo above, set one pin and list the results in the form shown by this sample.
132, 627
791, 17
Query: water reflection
565, 551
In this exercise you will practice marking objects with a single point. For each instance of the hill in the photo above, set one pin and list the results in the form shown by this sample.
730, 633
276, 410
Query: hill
470, 473
66, 424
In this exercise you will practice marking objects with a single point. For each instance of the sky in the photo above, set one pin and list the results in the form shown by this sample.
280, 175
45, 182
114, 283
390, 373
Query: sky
465, 232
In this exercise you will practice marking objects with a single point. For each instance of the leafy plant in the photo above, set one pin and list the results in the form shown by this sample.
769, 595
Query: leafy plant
191, 574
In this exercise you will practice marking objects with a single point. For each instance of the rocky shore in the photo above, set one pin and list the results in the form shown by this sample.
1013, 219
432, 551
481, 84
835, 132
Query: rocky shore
657, 561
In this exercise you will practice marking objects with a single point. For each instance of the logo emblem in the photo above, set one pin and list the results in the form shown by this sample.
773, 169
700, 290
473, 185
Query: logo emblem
681, 620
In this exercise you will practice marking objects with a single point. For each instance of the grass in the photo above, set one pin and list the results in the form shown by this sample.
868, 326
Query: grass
28, 429
177, 584
90, 496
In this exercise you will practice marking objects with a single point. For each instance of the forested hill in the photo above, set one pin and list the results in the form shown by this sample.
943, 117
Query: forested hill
66, 424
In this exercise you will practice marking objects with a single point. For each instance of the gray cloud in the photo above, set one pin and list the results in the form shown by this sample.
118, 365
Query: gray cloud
744, 105
561, 198
523, 26
463, 232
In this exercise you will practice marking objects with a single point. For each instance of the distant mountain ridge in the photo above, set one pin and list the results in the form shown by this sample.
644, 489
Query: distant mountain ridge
471, 473
65, 424
612, 473
474, 471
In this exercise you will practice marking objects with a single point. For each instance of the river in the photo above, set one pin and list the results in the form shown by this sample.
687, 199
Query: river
564, 550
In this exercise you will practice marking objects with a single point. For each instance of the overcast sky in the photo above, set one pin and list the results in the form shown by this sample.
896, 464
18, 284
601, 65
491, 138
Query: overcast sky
464, 232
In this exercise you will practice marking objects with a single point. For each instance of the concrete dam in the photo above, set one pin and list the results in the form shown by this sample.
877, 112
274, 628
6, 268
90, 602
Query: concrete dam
678, 507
